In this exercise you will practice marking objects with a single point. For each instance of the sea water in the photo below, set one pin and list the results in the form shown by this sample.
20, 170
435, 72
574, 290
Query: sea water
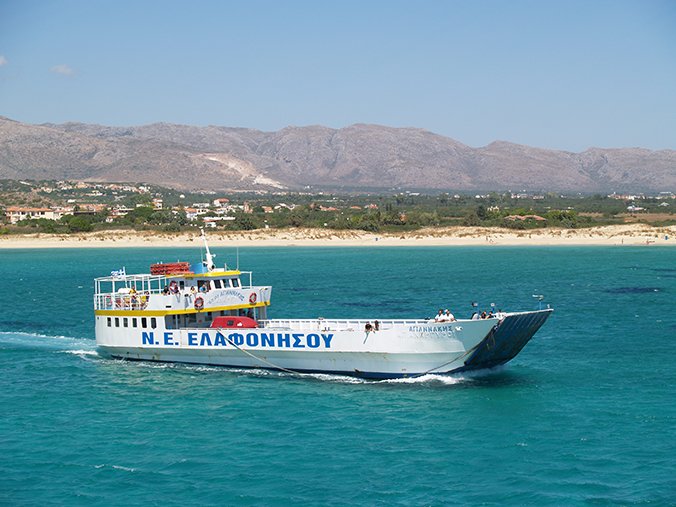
585, 415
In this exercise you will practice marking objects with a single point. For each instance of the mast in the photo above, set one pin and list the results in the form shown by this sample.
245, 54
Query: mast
209, 262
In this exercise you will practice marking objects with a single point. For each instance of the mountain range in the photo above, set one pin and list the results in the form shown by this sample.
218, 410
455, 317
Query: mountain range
355, 158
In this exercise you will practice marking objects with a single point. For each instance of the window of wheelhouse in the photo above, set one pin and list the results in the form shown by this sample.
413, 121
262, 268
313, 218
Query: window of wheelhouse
235, 282
217, 283
110, 321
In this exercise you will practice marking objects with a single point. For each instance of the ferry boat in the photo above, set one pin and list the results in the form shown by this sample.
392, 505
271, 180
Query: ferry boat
203, 314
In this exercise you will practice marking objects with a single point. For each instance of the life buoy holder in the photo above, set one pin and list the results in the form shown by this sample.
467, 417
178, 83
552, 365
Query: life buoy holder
199, 303
252, 298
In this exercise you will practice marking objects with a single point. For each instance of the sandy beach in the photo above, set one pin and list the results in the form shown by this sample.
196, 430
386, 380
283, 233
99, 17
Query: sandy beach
630, 234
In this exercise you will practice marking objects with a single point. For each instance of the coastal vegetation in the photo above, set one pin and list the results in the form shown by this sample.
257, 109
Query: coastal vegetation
75, 207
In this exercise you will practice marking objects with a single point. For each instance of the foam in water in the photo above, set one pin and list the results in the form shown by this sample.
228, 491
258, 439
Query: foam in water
116, 467
47, 341
82, 353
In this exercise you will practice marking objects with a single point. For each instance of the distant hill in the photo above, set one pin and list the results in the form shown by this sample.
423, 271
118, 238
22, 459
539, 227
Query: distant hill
359, 157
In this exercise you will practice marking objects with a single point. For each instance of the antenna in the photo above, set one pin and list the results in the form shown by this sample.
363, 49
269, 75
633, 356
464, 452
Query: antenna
237, 249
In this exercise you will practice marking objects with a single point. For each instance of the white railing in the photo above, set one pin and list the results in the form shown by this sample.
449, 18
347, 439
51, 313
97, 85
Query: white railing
118, 301
339, 325
183, 299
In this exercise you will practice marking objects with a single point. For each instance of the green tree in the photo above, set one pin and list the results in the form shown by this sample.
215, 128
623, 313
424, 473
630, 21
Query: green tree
245, 222
139, 216
80, 224
471, 219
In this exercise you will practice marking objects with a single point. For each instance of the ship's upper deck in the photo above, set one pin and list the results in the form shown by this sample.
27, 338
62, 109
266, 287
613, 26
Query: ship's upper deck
216, 290
179, 288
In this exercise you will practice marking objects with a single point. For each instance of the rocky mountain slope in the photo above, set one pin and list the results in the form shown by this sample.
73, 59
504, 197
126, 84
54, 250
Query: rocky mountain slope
359, 157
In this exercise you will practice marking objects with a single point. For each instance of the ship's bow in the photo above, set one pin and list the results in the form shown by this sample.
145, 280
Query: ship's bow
506, 340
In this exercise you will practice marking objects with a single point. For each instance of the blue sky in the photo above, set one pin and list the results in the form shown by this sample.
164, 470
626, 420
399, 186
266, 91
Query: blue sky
555, 74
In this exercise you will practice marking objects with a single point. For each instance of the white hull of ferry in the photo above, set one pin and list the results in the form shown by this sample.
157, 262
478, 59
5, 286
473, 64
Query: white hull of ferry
173, 314
398, 349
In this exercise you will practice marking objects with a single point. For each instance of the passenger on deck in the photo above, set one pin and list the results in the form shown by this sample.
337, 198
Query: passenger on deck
203, 287
193, 290
165, 291
483, 315
376, 325
440, 316
449, 316
368, 327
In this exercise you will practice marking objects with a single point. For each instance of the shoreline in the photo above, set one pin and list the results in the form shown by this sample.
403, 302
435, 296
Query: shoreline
613, 235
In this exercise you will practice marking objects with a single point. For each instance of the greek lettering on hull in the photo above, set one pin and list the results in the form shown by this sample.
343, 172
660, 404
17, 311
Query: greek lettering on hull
254, 340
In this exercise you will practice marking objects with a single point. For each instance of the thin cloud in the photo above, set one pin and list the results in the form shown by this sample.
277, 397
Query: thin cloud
62, 69
3, 61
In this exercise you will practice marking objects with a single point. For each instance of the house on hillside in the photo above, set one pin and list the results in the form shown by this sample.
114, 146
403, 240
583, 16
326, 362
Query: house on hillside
16, 213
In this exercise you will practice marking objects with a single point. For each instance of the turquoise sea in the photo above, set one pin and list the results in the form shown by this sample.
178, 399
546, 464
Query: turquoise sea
585, 415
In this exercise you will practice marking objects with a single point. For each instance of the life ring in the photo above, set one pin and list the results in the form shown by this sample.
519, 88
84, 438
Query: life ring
199, 303
252, 298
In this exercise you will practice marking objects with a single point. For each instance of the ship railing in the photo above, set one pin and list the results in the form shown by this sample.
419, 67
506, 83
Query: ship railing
338, 325
121, 301
125, 299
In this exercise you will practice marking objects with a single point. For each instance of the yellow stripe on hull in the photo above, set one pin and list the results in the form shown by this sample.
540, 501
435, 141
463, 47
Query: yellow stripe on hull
162, 313
210, 274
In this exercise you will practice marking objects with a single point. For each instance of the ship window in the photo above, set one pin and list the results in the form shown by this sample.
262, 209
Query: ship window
235, 282
117, 321
192, 318
181, 284
217, 284
126, 322
134, 322
110, 322
153, 322
144, 322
